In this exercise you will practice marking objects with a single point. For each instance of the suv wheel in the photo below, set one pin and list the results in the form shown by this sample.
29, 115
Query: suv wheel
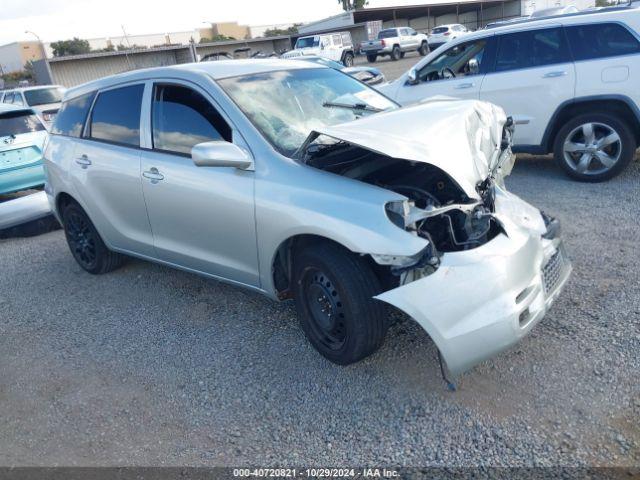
424, 49
348, 60
594, 147
85, 243
333, 291
395, 53
372, 58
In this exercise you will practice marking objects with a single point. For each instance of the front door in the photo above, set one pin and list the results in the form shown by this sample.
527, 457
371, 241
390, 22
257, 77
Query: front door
202, 218
457, 72
533, 75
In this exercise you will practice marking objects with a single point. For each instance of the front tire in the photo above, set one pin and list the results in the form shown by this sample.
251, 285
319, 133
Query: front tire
333, 291
372, 58
395, 53
424, 49
348, 60
85, 243
594, 147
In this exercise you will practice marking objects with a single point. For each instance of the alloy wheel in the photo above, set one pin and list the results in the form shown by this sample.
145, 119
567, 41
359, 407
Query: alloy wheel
592, 148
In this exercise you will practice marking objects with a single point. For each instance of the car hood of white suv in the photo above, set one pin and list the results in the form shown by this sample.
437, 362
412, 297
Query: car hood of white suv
461, 137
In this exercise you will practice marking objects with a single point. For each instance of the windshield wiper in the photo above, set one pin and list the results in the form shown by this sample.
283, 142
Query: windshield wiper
352, 106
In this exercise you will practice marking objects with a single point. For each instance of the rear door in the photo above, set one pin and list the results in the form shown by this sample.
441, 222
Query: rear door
607, 59
202, 217
106, 169
457, 72
533, 75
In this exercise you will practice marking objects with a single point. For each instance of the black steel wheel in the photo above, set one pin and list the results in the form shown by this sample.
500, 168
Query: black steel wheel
85, 243
372, 58
333, 290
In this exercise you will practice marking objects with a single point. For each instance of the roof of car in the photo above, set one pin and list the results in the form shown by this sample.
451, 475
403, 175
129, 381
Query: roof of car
34, 87
217, 70
8, 107
583, 16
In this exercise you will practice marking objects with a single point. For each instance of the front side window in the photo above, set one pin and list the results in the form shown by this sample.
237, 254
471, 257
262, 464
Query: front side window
17, 99
42, 96
116, 116
16, 123
286, 105
182, 118
535, 48
459, 61
601, 40
72, 115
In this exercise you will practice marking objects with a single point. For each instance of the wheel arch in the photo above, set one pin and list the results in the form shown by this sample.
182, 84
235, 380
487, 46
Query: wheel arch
281, 262
619, 105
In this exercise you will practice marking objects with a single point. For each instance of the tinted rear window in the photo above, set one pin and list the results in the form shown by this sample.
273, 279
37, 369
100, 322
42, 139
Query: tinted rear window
16, 123
116, 116
43, 96
601, 41
529, 49
440, 30
72, 115
387, 34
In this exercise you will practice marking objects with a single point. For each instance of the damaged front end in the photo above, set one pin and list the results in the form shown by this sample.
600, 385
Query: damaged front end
482, 280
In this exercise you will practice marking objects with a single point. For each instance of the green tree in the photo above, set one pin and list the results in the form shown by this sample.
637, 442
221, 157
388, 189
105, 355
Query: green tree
605, 3
276, 32
348, 5
216, 38
74, 46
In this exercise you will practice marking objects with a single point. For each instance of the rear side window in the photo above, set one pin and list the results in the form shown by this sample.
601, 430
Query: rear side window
387, 34
72, 115
182, 118
535, 48
601, 40
16, 123
116, 116
17, 99
440, 30
8, 98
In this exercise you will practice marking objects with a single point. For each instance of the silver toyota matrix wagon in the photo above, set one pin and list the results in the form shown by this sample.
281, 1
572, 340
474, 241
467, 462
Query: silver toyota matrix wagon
300, 182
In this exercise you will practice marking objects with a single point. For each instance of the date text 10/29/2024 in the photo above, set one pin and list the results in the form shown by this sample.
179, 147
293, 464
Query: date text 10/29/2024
315, 472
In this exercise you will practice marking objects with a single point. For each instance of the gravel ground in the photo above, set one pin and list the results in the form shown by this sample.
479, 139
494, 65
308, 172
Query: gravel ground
152, 366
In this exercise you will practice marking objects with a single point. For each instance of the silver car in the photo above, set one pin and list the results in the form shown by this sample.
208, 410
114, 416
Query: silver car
302, 183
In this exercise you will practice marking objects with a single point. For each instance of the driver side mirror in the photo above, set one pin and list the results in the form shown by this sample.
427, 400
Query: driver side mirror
221, 154
474, 66
412, 77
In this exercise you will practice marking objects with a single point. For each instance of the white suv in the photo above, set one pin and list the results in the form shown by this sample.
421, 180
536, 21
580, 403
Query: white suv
569, 82
445, 33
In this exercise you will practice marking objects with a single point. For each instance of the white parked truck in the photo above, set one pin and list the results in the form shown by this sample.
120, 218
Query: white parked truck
395, 42
334, 46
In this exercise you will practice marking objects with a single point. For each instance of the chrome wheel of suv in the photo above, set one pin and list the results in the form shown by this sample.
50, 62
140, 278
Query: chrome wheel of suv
592, 148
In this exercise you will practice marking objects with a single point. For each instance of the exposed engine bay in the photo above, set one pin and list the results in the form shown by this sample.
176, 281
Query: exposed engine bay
437, 208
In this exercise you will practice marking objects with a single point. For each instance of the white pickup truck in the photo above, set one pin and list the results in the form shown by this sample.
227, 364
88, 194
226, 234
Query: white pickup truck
395, 42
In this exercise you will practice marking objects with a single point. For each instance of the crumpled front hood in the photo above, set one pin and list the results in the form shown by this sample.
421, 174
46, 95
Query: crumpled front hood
461, 137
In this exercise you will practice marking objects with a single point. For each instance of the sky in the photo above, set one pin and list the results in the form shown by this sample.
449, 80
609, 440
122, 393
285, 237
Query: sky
61, 19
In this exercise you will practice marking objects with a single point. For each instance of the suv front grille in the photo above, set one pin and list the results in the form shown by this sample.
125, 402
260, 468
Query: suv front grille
552, 271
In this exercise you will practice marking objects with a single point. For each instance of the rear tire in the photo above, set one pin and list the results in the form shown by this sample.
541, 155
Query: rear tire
395, 53
333, 291
348, 60
372, 58
424, 49
594, 147
402, 54
85, 243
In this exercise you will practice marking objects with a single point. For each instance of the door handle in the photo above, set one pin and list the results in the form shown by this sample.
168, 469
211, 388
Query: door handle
83, 161
554, 74
464, 85
153, 174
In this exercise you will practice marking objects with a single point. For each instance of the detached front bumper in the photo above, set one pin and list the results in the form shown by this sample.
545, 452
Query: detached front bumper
482, 301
